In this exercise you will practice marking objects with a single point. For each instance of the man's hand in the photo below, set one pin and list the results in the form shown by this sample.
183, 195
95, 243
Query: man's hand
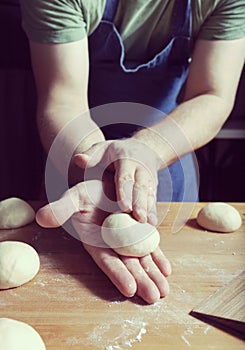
135, 167
144, 276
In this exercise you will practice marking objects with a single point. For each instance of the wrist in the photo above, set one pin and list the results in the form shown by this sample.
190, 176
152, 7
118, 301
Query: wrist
158, 144
92, 136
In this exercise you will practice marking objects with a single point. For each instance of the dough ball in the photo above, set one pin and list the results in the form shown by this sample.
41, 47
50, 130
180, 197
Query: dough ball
129, 237
14, 213
19, 263
16, 335
220, 217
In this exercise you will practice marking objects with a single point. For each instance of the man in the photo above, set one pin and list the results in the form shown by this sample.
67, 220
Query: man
125, 55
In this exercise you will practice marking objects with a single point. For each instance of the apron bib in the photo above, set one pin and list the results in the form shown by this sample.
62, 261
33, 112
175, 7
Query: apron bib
127, 95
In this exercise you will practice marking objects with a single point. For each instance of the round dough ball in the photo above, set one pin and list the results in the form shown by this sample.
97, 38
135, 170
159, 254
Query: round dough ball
14, 213
16, 335
129, 237
19, 263
220, 217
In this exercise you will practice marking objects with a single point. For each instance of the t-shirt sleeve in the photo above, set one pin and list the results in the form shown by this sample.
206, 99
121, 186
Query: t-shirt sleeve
56, 21
225, 22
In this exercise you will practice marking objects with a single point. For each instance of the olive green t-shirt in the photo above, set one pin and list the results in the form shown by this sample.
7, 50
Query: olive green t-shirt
144, 25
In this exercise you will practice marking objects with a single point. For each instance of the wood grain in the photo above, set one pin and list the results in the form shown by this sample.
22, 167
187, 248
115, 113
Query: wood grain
228, 302
74, 306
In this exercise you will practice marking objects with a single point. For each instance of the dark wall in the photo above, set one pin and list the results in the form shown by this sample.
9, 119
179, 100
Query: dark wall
21, 155
222, 161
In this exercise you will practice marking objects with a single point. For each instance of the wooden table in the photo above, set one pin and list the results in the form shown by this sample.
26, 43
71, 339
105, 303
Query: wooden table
74, 306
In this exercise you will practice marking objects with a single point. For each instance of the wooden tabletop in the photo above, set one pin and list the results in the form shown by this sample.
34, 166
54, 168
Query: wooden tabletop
74, 306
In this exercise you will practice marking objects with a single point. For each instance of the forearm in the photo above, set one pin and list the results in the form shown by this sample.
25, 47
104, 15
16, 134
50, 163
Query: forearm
191, 125
52, 120
61, 74
66, 129
209, 97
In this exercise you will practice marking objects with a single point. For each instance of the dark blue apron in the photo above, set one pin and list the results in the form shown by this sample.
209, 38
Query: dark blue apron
125, 95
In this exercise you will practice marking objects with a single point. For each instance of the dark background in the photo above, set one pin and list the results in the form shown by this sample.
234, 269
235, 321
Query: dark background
221, 162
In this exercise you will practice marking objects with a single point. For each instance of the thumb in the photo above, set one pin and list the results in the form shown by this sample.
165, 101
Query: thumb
55, 214
92, 156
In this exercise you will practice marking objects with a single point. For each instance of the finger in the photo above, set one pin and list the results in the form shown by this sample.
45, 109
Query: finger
57, 213
143, 187
152, 208
155, 274
162, 262
81, 197
92, 156
45, 217
124, 180
146, 288
109, 262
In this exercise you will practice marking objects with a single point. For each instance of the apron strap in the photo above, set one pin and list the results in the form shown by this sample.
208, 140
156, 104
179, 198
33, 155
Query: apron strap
110, 10
182, 19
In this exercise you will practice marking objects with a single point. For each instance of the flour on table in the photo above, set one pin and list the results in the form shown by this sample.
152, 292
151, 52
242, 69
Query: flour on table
125, 333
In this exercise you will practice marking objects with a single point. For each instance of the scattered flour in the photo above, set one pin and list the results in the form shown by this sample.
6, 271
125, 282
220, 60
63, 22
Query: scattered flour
185, 340
120, 331
40, 283
121, 327
74, 341
186, 336
37, 237
206, 330
125, 333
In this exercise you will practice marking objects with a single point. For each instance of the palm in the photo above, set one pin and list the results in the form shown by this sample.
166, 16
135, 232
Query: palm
144, 276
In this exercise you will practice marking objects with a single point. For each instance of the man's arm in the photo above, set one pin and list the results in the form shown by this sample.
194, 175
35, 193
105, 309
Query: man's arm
210, 93
61, 75
209, 98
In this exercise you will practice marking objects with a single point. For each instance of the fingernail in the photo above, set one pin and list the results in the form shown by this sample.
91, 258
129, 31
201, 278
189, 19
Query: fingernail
131, 290
80, 158
169, 269
127, 205
153, 219
142, 215
85, 156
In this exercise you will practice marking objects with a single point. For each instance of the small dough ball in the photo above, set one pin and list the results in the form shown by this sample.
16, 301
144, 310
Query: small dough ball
16, 335
19, 263
129, 237
220, 217
14, 213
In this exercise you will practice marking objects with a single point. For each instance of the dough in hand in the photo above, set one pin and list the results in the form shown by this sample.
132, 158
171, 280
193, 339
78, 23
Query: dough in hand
14, 213
219, 217
129, 237
19, 263
16, 335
